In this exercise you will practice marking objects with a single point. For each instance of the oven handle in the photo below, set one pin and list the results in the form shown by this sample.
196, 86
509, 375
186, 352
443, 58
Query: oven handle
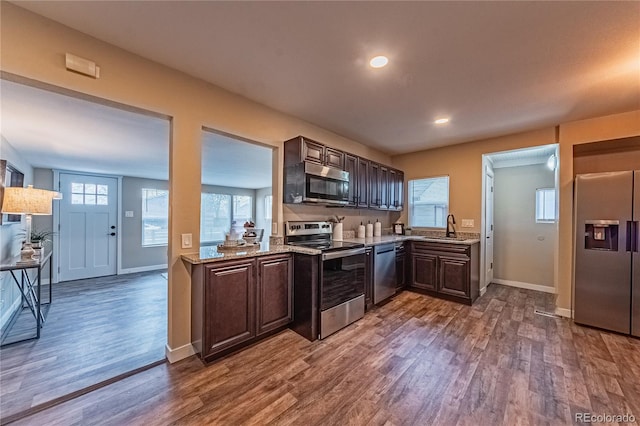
342, 253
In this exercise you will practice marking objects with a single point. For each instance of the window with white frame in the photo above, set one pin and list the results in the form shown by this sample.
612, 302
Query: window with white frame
429, 202
218, 212
155, 217
546, 205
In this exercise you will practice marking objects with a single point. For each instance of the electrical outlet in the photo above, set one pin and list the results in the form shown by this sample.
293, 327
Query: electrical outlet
187, 241
467, 223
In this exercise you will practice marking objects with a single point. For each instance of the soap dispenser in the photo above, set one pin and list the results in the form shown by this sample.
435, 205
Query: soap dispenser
361, 231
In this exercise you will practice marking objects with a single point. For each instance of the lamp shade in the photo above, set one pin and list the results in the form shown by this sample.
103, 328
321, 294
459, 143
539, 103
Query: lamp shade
27, 201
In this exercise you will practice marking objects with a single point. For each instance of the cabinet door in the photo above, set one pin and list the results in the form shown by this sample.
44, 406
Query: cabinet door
454, 276
399, 190
374, 185
368, 278
313, 151
351, 166
334, 158
400, 272
392, 188
229, 306
363, 183
275, 279
423, 271
383, 185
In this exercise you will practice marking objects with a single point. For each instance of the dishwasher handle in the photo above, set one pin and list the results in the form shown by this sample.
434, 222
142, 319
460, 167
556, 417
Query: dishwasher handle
385, 249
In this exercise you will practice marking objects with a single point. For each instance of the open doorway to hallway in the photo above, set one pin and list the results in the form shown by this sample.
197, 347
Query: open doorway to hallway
108, 313
520, 210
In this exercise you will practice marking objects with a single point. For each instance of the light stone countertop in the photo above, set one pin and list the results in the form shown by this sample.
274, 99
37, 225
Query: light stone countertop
211, 254
385, 239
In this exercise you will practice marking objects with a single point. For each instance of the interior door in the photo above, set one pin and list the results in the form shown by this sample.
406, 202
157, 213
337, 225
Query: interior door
88, 219
488, 223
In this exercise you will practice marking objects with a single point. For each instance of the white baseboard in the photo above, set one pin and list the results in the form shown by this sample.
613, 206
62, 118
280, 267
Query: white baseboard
142, 269
174, 355
567, 313
528, 286
483, 290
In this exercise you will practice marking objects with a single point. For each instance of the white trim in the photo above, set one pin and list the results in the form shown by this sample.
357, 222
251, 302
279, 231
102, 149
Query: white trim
563, 312
56, 227
142, 269
528, 286
12, 309
483, 290
177, 354
119, 229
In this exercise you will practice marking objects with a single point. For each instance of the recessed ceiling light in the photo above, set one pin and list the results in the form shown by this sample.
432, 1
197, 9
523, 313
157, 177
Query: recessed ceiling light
442, 121
378, 61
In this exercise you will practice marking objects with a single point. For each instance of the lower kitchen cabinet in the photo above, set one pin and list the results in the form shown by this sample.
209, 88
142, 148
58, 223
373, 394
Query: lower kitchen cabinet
275, 281
401, 276
234, 303
368, 278
449, 271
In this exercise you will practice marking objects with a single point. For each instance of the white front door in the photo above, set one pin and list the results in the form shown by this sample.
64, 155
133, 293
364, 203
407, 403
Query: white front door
488, 223
88, 219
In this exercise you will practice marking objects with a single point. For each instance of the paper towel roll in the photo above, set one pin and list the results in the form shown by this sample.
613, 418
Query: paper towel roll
337, 231
361, 231
369, 231
377, 229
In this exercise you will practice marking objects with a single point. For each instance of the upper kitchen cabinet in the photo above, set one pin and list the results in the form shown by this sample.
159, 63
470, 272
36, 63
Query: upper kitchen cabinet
303, 149
396, 190
351, 163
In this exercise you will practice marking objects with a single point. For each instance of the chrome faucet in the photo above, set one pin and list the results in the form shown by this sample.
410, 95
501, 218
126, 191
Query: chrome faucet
451, 231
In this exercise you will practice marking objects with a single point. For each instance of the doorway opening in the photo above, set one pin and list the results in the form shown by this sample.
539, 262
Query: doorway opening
520, 210
108, 312
237, 188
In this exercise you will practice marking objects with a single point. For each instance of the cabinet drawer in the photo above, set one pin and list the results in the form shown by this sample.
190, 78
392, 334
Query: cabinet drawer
429, 247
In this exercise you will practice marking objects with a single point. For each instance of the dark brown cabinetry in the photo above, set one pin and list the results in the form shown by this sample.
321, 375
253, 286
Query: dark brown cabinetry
368, 278
371, 185
304, 149
401, 267
450, 271
235, 302
275, 279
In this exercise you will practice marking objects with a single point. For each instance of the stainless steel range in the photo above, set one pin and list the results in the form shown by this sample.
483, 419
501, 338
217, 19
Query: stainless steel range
329, 290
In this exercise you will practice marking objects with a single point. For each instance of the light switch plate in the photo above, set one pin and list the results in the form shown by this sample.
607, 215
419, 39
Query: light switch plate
187, 241
467, 223
274, 228
128, 213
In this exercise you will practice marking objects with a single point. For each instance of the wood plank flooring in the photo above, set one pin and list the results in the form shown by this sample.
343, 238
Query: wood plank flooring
96, 329
414, 361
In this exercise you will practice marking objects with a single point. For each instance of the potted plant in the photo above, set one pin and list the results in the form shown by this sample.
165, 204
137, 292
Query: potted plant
39, 238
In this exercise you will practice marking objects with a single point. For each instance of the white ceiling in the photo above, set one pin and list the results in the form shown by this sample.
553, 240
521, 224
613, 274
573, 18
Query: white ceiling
493, 67
522, 157
51, 130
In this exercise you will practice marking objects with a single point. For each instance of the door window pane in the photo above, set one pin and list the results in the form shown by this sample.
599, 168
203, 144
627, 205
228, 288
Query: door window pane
89, 188
155, 217
102, 200
77, 199
429, 202
77, 188
103, 189
89, 199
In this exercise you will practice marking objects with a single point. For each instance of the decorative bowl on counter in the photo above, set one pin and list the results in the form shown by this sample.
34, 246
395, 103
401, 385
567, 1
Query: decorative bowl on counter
250, 240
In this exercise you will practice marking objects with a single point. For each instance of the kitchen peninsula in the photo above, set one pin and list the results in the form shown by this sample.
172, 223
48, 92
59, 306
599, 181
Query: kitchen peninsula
241, 298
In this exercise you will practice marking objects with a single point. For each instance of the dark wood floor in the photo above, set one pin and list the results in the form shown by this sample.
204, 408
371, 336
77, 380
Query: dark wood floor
416, 360
96, 329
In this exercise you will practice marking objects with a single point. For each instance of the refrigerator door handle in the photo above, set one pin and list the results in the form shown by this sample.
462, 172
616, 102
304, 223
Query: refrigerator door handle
632, 236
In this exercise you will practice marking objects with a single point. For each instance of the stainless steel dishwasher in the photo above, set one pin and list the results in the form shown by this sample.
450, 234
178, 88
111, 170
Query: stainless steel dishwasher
384, 272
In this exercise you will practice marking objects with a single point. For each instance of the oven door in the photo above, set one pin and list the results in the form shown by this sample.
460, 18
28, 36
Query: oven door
342, 277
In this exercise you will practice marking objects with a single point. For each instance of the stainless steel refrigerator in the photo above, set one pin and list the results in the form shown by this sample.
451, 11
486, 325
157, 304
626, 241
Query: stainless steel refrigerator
607, 262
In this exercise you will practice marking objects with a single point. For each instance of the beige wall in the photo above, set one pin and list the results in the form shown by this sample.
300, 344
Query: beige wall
523, 249
463, 163
33, 47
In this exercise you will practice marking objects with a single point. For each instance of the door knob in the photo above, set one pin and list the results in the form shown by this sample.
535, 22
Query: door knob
112, 234
113, 227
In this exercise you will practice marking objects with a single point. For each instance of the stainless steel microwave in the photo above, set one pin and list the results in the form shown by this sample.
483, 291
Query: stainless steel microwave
313, 183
